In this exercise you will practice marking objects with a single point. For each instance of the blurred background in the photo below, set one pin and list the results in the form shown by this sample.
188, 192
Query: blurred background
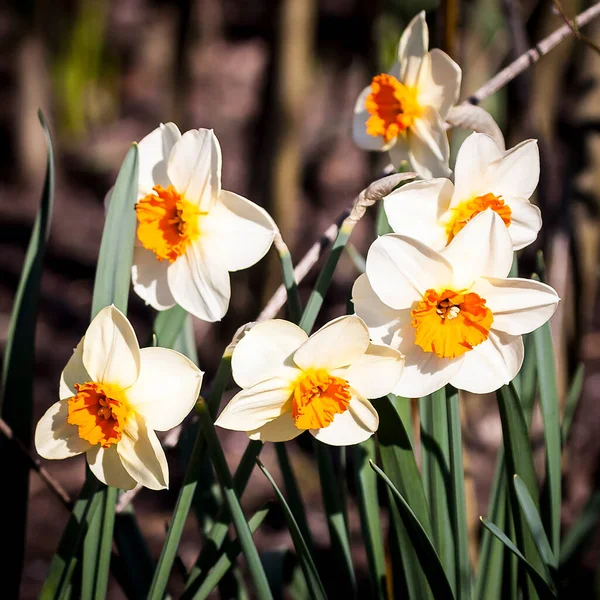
277, 80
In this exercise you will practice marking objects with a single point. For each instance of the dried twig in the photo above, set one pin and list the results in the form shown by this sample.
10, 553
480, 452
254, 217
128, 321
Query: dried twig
574, 26
532, 56
36, 465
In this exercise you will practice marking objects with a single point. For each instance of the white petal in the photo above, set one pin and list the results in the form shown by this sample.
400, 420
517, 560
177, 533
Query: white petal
398, 153
74, 372
252, 408
359, 126
482, 248
490, 365
167, 388
376, 373
517, 173
474, 118
439, 82
242, 231
106, 465
382, 321
200, 283
281, 429
424, 372
428, 148
149, 277
54, 437
415, 209
337, 344
142, 455
153, 154
525, 222
195, 167
111, 353
353, 426
401, 269
519, 305
473, 161
266, 351
412, 48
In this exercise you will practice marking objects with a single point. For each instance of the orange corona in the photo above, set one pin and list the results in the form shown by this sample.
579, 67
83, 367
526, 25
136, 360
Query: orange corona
450, 323
318, 397
393, 107
168, 223
99, 411
465, 211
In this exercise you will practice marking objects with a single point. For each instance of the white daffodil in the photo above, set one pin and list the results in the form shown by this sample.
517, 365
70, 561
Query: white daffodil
113, 396
454, 315
292, 383
485, 176
403, 111
191, 233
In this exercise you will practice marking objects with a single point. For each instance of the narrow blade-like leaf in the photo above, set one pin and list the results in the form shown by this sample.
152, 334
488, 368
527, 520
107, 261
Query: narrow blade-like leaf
302, 551
424, 548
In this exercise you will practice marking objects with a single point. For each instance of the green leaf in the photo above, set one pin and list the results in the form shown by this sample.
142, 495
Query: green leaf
302, 551
111, 286
113, 272
255, 567
188, 489
382, 226
229, 553
491, 568
63, 562
424, 548
549, 403
572, 401
519, 460
436, 476
542, 588
293, 492
580, 533
535, 526
132, 548
315, 301
336, 523
16, 389
168, 325
398, 459
289, 280
457, 502
218, 533
370, 519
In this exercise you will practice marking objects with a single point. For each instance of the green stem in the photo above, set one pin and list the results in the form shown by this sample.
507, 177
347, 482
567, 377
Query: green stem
255, 567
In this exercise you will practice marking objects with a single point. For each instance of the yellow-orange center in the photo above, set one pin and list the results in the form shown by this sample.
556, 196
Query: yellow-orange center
318, 397
451, 323
392, 105
465, 211
99, 410
168, 223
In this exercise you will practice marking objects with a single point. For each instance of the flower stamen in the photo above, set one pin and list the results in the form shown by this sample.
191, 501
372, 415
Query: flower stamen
317, 398
465, 211
168, 223
393, 107
451, 323
99, 411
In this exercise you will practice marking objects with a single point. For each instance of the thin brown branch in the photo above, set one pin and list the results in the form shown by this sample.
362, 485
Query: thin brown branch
532, 55
574, 26
36, 465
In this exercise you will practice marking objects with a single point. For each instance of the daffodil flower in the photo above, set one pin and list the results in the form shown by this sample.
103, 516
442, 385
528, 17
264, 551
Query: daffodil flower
403, 111
435, 210
293, 383
453, 314
113, 396
191, 233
